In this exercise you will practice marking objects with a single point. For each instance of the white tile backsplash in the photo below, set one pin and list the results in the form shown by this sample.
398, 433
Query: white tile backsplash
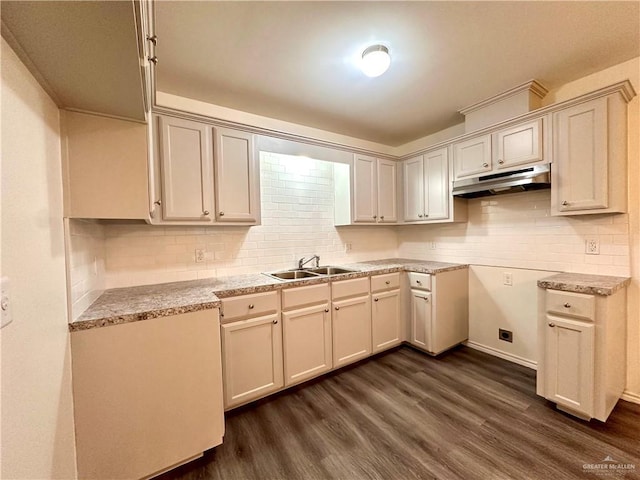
516, 230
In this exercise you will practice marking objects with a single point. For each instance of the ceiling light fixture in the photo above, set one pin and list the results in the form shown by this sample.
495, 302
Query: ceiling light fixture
375, 60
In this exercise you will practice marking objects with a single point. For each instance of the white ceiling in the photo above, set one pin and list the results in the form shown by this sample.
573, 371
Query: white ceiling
294, 60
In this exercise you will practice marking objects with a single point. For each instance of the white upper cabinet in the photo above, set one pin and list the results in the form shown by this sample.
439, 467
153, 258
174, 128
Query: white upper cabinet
207, 175
518, 145
472, 157
186, 170
235, 172
427, 189
364, 189
373, 196
589, 141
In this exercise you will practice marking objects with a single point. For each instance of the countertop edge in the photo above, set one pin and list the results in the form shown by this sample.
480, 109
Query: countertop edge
587, 285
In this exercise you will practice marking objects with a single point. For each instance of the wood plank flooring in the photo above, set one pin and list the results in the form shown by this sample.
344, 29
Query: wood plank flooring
405, 415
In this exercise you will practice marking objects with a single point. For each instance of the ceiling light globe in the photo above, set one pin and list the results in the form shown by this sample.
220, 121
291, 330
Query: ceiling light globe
375, 60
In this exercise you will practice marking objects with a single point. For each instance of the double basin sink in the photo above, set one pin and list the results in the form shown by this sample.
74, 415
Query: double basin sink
308, 273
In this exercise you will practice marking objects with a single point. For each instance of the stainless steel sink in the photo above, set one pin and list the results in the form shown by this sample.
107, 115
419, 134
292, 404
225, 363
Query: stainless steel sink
331, 270
293, 274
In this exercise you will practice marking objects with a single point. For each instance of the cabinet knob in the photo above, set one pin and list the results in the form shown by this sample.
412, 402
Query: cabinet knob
326, 310
500, 161
426, 215
567, 305
153, 39
382, 217
275, 321
426, 299
205, 213
221, 214
375, 216
565, 203
375, 299
485, 164
388, 282
251, 306
420, 216
552, 324
158, 202
419, 282
153, 60
337, 308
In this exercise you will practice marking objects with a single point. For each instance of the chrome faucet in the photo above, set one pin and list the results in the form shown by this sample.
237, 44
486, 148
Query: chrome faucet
302, 262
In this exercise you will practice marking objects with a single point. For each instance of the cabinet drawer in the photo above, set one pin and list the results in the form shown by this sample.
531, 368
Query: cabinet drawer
420, 281
572, 304
301, 296
244, 306
350, 288
388, 281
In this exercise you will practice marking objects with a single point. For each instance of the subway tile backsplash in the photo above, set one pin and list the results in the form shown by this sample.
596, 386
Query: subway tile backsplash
514, 230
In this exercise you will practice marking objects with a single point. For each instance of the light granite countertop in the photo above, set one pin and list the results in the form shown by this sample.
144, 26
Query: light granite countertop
584, 283
132, 304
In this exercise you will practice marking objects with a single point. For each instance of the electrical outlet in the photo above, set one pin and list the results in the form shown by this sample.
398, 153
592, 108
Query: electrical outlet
592, 246
433, 245
507, 278
347, 247
200, 255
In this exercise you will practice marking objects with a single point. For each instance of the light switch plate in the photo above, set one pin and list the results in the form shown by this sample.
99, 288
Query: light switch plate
5, 304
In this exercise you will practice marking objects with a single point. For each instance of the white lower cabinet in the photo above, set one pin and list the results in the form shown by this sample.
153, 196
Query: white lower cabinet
570, 369
386, 331
421, 319
251, 347
306, 333
582, 351
351, 321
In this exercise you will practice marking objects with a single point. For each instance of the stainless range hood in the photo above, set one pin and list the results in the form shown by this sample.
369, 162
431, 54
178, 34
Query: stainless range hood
532, 178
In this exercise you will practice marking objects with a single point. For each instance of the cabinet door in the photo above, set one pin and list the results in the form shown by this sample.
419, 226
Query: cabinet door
235, 173
519, 145
580, 153
351, 320
436, 181
569, 361
387, 198
252, 359
472, 156
306, 343
421, 319
187, 170
385, 320
364, 189
413, 180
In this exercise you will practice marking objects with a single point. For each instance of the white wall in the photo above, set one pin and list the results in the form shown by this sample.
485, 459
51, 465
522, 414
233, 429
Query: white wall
37, 415
297, 220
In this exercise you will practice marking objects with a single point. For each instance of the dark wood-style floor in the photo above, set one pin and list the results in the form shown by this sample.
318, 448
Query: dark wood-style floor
405, 415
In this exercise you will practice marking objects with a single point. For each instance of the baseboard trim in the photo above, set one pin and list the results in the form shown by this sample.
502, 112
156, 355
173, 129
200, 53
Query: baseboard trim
504, 355
631, 397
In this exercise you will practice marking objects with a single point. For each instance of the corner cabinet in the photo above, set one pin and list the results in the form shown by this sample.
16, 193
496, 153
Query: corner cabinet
203, 175
427, 190
590, 151
582, 351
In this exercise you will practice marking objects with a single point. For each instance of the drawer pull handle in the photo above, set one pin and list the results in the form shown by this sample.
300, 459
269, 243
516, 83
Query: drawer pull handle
418, 282
275, 322
337, 308
552, 324
565, 203
326, 310
251, 306
388, 282
567, 305
375, 299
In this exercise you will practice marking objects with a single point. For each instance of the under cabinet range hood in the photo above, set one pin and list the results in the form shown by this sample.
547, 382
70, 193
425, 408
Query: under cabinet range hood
532, 178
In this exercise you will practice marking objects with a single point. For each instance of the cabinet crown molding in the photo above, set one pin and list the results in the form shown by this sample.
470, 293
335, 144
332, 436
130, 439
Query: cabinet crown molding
532, 86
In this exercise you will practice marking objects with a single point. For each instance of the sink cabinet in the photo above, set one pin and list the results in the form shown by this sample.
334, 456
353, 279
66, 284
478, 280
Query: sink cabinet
306, 323
251, 347
351, 320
